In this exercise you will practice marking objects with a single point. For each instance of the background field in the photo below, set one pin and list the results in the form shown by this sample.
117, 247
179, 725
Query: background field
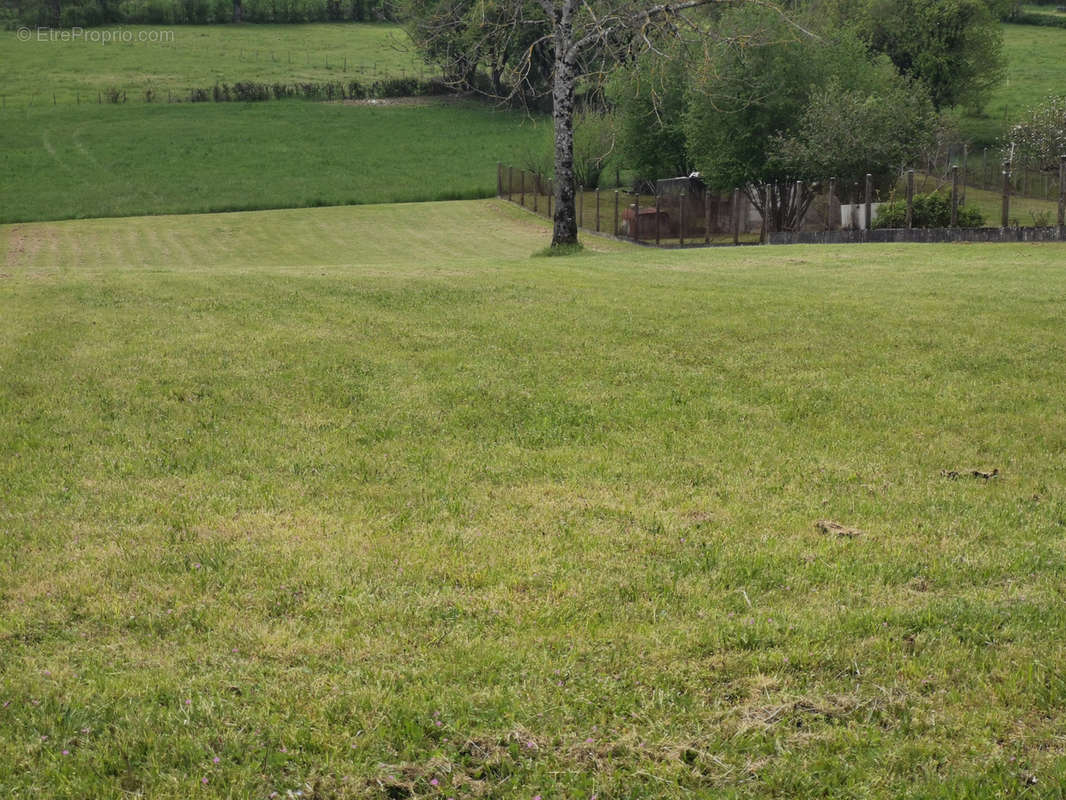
353, 500
199, 57
1035, 69
122, 160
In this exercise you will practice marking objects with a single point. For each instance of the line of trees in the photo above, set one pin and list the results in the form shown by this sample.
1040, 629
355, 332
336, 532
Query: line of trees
750, 94
86, 13
781, 109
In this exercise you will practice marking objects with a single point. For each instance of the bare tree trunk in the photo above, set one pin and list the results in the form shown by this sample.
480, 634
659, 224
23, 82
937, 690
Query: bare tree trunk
564, 230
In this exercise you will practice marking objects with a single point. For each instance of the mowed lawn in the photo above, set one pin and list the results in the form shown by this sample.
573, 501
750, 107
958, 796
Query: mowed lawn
367, 502
100, 161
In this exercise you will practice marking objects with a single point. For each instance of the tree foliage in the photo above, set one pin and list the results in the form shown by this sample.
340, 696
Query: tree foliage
585, 38
954, 47
798, 107
493, 46
1039, 139
651, 100
849, 133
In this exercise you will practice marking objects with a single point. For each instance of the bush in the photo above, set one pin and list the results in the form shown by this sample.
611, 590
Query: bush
931, 210
395, 87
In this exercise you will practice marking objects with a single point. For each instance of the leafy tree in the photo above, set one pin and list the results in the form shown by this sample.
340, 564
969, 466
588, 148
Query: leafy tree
954, 47
756, 114
1039, 139
501, 37
848, 133
583, 38
651, 100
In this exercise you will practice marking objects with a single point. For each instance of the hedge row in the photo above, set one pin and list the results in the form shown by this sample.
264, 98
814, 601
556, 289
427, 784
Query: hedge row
87, 13
252, 92
1045, 20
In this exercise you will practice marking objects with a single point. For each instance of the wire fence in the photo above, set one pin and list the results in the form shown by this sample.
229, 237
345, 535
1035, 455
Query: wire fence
683, 218
682, 212
984, 168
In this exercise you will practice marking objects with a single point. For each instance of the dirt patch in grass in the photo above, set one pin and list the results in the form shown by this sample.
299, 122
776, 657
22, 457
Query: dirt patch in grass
835, 528
16, 246
23, 245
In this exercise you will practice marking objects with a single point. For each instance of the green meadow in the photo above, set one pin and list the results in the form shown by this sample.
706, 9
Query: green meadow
1035, 69
176, 58
366, 502
100, 161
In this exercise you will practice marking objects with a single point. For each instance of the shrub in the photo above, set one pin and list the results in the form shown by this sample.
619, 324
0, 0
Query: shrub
395, 87
249, 92
931, 210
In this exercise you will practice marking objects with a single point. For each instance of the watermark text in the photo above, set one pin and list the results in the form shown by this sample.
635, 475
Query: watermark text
94, 35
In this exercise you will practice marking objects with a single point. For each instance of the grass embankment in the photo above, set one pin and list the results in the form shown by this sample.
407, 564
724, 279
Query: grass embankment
119, 160
198, 56
367, 502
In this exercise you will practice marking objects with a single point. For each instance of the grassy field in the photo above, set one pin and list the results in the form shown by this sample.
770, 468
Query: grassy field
121, 160
366, 502
1035, 69
197, 56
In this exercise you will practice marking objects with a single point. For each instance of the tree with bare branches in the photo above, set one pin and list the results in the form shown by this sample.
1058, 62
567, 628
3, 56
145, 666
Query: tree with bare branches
551, 47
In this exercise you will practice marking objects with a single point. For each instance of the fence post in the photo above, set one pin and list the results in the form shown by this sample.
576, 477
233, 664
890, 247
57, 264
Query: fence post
499, 179
706, 216
736, 215
551, 196
597, 209
635, 233
536, 191
829, 204
910, 199
681, 227
1062, 197
658, 206
615, 212
510, 182
965, 157
1005, 216
869, 201
955, 196
764, 227
581, 206
522, 172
